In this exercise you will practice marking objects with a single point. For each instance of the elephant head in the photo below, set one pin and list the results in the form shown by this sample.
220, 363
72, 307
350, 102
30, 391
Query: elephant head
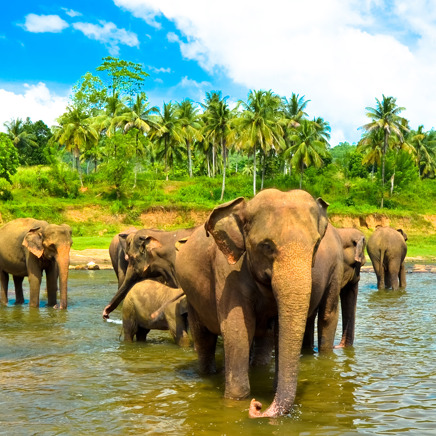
151, 255
52, 242
279, 233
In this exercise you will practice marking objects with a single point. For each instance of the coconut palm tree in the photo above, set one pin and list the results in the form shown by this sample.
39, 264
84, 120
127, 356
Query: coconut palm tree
140, 119
190, 123
371, 146
167, 135
308, 148
259, 126
294, 109
218, 129
20, 137
385, 117
422, 144
76, 131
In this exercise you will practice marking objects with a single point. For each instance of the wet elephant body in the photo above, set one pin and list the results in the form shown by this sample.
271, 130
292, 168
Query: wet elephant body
144, 300
252, 264
387, 250
27, 248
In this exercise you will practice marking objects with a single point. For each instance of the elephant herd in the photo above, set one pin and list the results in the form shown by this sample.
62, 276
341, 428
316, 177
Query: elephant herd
258, 273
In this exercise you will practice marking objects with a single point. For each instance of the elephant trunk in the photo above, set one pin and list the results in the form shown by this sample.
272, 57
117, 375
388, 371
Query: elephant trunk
130, 279
292, 284
63, 262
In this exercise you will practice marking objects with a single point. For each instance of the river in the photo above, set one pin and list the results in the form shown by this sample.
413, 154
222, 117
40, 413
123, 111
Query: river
68, 373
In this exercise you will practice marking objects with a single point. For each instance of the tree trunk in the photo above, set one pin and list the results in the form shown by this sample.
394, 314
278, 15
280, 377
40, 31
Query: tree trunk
263, 168
385, 145
254, 170
188, 149
213, 160
223, 187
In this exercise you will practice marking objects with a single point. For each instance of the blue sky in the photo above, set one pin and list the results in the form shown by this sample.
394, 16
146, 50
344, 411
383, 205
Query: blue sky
340, 54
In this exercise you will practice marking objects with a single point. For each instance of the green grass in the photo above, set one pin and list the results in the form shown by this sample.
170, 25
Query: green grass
83, 242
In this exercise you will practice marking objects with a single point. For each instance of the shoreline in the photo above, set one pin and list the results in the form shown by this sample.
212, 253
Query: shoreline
98, 258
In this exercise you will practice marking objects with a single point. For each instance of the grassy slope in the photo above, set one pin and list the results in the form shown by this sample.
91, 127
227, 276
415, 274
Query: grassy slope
95, 217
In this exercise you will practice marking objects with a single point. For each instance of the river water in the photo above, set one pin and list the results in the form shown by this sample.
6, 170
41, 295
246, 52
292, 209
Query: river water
68, 372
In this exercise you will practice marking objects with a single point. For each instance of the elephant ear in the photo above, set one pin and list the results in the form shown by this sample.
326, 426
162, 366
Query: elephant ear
322, 221
149, 244
33, 241
403, 233
225, 224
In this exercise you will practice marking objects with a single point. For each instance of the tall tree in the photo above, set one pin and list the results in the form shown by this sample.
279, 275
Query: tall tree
8, 157
126, 77
308, 148
385, 117
76, 131
190, 123
167, 136
21, 138
259, 126
140, 119
422, 144
218, 129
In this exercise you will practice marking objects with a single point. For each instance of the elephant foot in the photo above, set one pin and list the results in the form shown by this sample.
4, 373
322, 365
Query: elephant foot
341, 345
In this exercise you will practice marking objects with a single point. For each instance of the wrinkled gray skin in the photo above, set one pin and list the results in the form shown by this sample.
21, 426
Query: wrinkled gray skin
151, 255
143, 300
117, 253
353, 245
387, 250
27, 248
255, 265
327, 276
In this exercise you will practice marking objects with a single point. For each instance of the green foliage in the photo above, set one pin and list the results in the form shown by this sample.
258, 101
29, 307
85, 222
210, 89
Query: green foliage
8, 157
5, 190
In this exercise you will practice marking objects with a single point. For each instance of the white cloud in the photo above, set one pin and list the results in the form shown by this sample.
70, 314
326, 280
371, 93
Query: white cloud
71, 12
44, 23
159, 70
109, 34
35, 101
341, 54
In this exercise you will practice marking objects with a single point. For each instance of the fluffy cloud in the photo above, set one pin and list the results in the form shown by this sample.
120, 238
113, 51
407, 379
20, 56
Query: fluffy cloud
109, 34
44, 23
35, 101
341, 54
71, 12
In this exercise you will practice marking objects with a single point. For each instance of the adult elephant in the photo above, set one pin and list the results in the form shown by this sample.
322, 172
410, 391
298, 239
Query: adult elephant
257, 265
150, 255
27, 248
353, 246
387, 250
117, 253
327, 276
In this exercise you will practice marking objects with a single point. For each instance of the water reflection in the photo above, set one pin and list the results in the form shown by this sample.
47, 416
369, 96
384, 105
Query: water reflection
67, 372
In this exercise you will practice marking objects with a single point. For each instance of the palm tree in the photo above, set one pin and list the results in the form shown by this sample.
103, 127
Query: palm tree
76, 131
190, 123
308, 147
294, 109
21, 138
259, 126
218, 129
423, 151
385, 117
139, 118
167, 135
371, 146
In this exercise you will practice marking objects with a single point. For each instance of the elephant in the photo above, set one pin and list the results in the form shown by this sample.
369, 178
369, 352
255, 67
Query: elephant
117, 253
139, 312
327, 276
256, 266
151, 255
387, 250
28, 247
353, 245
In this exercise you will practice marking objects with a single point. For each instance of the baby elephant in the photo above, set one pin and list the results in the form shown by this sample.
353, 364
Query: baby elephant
387, 250
153, 305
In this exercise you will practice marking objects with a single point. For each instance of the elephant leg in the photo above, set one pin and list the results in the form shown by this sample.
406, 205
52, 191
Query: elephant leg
237, 329
35, 276
4, 280
309, 333
348, 306
261, 350
51, 274
205, 343
141, 334
403, 276
328, 315
18, 283
179, 331
130, 327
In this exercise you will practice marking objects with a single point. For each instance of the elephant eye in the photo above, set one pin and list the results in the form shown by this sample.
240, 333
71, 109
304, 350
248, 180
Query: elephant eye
267, 248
